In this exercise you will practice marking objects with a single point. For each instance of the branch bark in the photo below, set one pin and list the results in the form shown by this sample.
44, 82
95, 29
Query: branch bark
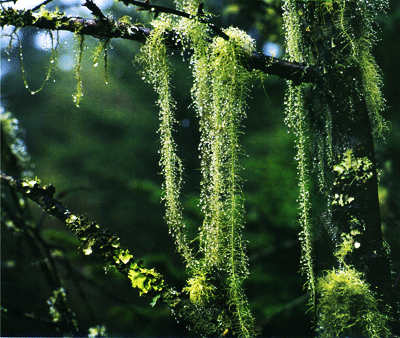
111, 29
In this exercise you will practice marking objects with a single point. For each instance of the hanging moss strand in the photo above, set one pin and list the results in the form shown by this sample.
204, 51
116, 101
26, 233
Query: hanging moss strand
157, 72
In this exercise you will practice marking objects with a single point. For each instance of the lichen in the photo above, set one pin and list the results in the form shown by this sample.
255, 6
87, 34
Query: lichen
146, 280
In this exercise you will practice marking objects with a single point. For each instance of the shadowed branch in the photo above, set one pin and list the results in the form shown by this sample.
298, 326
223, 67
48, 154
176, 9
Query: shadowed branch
109, 28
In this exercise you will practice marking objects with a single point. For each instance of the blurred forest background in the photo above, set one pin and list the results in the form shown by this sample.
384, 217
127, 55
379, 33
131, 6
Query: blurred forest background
105, 154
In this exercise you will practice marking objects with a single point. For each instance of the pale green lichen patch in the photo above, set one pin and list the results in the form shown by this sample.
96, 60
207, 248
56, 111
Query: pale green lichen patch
146, 280
123, 256
354, 167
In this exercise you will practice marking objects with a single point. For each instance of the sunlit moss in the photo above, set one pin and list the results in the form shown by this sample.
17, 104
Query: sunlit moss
347, 306
297, 119
157, 71
219, 91
334, 36
102, 48
77, 97
97, 331
123, 256
200, 290
357, 23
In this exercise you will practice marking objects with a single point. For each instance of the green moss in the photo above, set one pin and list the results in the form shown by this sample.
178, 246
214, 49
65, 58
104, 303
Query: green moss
157, 71
347, 307
200, 290
77, 97
333, 35
357, 25
219, 91
353, 168
102, 48
53, 58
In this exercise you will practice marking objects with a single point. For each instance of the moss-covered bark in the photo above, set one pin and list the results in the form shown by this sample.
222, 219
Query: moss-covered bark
343, 115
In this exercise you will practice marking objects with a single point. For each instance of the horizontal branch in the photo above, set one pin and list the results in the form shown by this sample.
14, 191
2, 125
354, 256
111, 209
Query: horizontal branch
93, 239
146, 5
109, 28
107, 247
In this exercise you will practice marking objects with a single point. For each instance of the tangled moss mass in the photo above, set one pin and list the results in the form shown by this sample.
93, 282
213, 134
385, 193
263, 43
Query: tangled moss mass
219, 91
347, 306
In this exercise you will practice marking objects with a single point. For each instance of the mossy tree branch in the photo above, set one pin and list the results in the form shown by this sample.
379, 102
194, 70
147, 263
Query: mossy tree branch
105, 27
106, 246
93, 240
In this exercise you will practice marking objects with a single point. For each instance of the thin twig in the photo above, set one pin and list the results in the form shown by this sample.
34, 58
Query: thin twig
161, 9
95, 9
42, 4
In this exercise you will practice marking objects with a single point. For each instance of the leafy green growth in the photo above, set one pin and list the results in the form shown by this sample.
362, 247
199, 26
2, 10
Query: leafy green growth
355, 168
146, 280
347, 306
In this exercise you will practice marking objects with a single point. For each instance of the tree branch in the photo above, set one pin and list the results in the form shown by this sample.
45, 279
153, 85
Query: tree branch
161, 9
109, 28
108, 248
93, 240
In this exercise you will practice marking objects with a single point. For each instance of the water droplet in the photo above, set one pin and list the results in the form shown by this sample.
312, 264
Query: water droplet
95, 64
